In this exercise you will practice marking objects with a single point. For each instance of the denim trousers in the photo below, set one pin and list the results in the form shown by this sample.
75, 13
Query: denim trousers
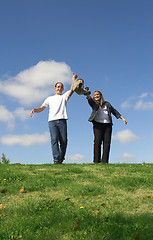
102, 136
58, 134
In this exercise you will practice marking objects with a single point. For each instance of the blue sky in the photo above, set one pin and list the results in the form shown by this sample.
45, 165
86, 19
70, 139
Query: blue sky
108, 43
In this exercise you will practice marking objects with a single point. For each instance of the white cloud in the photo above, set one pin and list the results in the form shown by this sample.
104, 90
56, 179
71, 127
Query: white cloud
138, 102
126, 104
127, 157
22, 114
25, 140
143, 95
125, 136
76, 157
7, 117
144, 105
36, 83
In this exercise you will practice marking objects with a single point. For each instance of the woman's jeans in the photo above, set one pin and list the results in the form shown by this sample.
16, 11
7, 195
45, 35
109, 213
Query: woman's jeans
102, 135
58, 133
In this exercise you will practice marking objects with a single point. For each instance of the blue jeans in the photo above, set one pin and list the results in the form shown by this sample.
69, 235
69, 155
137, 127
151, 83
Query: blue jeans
58, 134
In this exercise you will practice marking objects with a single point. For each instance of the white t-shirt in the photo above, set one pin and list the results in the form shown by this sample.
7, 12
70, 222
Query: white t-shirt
57, 106
102, 115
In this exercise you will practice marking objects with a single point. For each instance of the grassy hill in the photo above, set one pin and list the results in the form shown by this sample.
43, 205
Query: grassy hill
69, 201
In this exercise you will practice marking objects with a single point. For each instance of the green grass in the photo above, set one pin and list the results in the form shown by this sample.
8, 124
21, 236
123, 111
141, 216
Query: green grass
69, 201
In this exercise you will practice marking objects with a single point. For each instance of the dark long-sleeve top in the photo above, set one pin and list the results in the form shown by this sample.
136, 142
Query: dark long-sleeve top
95, 106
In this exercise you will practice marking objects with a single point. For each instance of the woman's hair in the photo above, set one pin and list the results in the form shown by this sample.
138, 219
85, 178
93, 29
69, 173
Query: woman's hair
101, 102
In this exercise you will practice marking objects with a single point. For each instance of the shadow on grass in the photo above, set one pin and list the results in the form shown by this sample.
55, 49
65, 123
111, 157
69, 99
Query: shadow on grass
55, 220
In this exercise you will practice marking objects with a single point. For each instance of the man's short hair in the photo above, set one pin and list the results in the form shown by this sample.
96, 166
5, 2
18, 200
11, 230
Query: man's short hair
59, 82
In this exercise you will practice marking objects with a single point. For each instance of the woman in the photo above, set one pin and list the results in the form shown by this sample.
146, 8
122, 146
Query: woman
102, 125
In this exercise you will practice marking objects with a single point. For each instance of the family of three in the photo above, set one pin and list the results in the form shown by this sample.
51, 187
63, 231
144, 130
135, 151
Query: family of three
57, 120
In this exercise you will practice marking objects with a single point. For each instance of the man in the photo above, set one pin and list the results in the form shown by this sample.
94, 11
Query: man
57, 120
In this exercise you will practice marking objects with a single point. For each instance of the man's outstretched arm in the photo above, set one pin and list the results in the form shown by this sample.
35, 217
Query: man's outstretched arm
74, 77
37, 110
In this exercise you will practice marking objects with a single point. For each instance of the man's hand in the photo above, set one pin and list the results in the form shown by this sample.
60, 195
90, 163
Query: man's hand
75, 75
37, 110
